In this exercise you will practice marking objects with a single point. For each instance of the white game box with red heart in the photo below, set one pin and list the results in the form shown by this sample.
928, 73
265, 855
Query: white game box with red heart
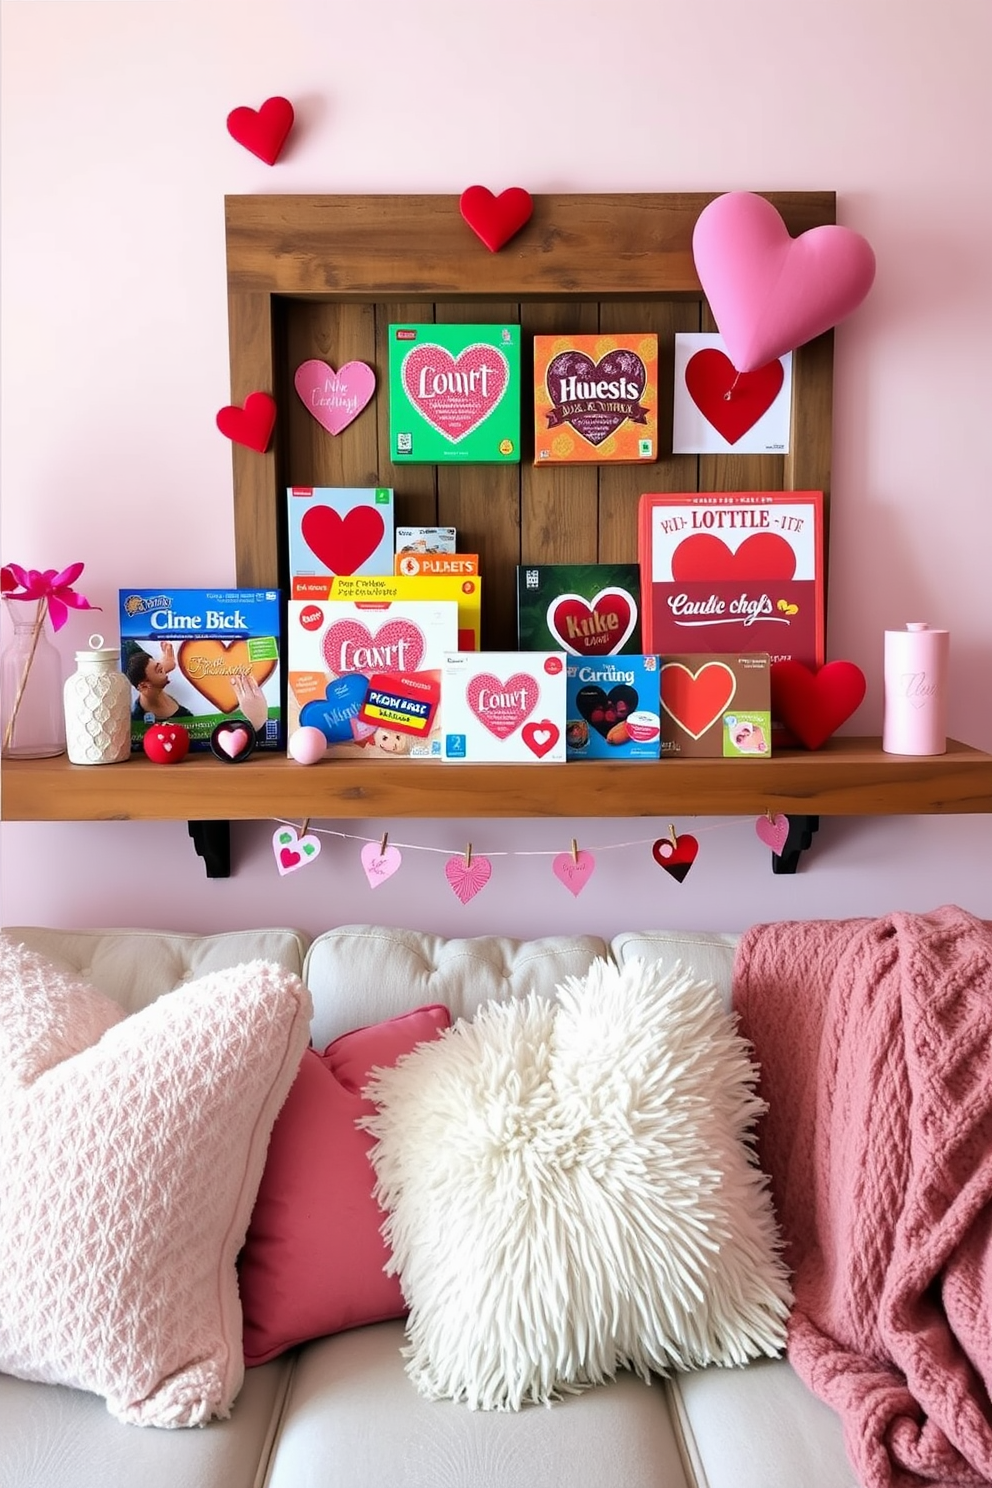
369, 675
504, 706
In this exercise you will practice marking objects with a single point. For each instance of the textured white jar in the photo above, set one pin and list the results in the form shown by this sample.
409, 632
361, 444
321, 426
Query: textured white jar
97, 703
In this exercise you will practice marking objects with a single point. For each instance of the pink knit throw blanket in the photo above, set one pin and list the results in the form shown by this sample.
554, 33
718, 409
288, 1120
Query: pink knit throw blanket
874, 1039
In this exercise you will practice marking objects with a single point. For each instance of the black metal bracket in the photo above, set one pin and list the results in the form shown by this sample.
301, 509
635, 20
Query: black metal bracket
801, 829
212, 840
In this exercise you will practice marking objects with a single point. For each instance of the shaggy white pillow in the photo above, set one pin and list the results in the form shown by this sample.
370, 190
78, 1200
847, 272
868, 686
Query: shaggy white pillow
571, 1191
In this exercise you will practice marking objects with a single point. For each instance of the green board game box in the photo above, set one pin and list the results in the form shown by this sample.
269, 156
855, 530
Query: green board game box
588, 609
454, 394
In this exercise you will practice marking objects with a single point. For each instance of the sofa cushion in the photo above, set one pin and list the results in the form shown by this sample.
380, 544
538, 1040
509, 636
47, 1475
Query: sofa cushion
314, 1260
575, 1179
129, 1164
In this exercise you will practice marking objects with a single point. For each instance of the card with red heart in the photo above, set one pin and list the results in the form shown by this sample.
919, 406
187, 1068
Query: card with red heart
719, 411
340, 530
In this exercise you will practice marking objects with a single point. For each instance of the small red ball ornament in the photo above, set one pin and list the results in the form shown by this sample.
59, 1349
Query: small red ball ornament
166, 743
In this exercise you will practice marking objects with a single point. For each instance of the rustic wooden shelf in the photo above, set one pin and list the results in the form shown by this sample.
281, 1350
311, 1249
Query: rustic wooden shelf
848, 777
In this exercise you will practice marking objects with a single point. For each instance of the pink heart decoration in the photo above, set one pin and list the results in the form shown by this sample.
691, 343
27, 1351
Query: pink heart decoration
334, 398
380, 865
232, 741
454, 394
770, 292
575, 872
501, 707
773, 831
293, 851
468, 880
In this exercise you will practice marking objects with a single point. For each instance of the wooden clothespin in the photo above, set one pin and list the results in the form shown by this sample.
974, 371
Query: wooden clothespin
468, 856
382, 844
303, 829
673, 835
575, 851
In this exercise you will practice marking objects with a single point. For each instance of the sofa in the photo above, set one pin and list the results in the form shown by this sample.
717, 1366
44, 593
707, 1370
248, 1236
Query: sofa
340, 1409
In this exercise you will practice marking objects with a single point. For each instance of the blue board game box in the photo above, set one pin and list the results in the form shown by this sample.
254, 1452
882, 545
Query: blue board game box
202, 657
613, 708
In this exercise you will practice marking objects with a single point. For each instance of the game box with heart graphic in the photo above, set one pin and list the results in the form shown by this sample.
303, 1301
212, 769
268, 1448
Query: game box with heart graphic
505, 706
369, 675
454, 394
716, 705
596, 399
340, 530
464, 589
733, 572
203, 658
588, 609
613, 708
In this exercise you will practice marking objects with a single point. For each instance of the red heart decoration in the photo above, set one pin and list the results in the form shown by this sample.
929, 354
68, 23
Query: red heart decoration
541, 736
251, 425
676, 857
342, 543
813, 705
731, 401
495, 219
764, 556
262, 131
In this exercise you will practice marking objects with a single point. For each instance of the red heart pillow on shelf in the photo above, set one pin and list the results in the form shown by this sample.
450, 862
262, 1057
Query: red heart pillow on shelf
814, 704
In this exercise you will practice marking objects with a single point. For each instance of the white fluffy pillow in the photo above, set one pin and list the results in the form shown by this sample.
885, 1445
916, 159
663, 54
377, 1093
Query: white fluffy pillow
570, 1191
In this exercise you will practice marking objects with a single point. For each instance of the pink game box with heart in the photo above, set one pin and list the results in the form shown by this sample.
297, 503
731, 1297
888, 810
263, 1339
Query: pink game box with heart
369, 676
454, 394
505, 706
340, 530
733, 571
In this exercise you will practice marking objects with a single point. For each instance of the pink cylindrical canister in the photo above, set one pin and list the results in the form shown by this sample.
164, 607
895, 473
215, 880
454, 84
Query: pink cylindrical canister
915, 720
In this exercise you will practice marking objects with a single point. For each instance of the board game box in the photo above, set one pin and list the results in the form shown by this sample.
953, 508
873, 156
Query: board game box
613, 708
426, 539
587, 609
465, 591
733, 572
716, 705
369, 676
201, 657
454, 394
504, 706
596, 399
340, 529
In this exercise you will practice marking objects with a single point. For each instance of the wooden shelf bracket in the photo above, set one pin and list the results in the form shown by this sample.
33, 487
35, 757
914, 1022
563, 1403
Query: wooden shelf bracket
212, 840
801, 829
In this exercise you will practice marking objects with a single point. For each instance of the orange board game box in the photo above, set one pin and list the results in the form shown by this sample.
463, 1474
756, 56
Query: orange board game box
596, 399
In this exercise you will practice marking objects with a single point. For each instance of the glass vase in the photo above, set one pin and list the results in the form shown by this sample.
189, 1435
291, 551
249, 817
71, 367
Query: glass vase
32, 723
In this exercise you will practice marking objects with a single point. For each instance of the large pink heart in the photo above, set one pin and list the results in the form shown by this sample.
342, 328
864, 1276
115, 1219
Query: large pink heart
455, 394
350, 646
334, 398
769, 292
501, 707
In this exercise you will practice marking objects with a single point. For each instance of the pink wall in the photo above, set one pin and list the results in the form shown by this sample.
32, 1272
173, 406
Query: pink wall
115, 164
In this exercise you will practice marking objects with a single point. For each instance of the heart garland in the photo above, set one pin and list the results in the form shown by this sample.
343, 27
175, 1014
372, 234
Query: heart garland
468, 875
495, 219
574, 869
772, 831
293, 851
250, 425
380, 862
263, 131
675, 854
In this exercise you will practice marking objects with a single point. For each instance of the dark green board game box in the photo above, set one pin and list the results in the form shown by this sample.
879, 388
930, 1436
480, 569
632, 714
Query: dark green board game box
588, 609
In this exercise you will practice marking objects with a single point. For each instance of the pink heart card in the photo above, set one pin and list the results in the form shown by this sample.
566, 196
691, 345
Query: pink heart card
293, 851
468, 878
335, 399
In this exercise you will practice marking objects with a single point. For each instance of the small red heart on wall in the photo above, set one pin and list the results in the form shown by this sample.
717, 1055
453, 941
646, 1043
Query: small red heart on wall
495, 219
251, 425
813, 705
262, 131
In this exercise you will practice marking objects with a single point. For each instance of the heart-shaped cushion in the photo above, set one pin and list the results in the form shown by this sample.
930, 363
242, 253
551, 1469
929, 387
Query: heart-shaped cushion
770, 292
813, 705
263, 131
250, 425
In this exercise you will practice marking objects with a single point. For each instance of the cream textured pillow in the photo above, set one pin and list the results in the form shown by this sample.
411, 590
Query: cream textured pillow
570, 1191
131, 1150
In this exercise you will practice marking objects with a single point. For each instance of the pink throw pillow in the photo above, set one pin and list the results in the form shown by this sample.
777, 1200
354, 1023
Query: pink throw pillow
131, 1150
314, 1259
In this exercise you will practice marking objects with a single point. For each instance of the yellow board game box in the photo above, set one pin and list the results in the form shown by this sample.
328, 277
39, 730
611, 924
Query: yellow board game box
373, 588
596, 399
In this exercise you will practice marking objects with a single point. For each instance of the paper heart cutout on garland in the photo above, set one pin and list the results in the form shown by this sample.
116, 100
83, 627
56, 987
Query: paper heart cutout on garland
770, 292
466, 879
731, 401
495, 219
574, 871
380, 865
293, 851
335, 399
773, 831
250, 425
676, 857
813, 704
263, 131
